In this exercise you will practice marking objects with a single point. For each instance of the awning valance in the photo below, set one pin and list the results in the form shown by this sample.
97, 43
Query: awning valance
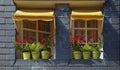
86, 14
46, 15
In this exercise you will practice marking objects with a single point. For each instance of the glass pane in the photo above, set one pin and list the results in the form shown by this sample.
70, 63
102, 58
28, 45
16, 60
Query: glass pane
92, 24
44, 26
42, 35
29, 24
79, 23
29, 35
92, 36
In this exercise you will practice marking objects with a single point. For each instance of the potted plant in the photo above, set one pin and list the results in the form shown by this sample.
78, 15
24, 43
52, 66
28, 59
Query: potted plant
86, 51
76, 46
96, 50
35, 50
96, 46
47, 43
24, 48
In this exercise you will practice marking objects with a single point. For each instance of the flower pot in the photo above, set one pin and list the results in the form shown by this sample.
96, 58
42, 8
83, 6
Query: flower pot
45, 54
35, 55
77, 55
96, 54
26, 55
86, 55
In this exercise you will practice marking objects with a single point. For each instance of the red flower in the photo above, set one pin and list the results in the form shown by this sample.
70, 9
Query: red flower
78, 38
94, 36
42, 40
26, 41
17, 41
74, 40
89, 40
82, 41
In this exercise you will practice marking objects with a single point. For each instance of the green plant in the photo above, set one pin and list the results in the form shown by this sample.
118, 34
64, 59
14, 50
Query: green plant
97, 47
86, 47
26, 47
32, 47
36, 47
49, 41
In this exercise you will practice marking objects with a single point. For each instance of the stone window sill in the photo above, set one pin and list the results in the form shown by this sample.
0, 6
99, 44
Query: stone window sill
69, 63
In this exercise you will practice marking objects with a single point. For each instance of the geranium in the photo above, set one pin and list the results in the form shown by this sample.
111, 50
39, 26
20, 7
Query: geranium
77, 43
47, 42
17, 44
93, 38
22, 46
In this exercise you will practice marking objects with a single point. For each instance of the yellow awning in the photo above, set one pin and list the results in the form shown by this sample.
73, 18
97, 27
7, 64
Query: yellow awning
34, 14
86, 14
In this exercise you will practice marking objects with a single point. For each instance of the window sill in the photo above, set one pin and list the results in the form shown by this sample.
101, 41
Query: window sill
69, 63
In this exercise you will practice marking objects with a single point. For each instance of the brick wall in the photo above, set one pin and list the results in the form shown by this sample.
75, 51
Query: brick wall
111, 42
7, 33
62, 14
111, 30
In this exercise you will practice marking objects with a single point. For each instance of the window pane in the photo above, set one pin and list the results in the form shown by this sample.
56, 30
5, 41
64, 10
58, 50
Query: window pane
29, 35
44, 26
92, 36
42, 35
92, 24
79, 23
29, 24
80, 33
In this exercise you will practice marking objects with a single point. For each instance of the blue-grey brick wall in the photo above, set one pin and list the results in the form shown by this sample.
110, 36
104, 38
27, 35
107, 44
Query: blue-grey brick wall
62, 14
111, 30
111, 33
7, 33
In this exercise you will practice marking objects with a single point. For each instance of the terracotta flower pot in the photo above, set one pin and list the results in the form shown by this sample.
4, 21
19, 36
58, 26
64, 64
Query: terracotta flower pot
96, 54
86, 55
26, 55
77, 55
35, 55
45, 54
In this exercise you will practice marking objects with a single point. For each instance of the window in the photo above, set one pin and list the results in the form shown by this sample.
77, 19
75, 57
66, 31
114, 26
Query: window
88, 25
34, 25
